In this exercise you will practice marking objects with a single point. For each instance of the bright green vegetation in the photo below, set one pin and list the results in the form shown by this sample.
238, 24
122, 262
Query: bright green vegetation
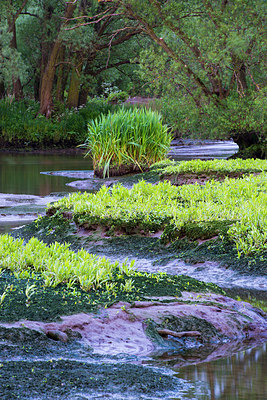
128, 137
20, 127
240, 203
258, 303
57, 264
216, 166
44, 282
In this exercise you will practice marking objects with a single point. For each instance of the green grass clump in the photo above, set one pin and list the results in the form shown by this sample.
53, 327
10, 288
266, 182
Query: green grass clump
151, 208
129, 136
216, 166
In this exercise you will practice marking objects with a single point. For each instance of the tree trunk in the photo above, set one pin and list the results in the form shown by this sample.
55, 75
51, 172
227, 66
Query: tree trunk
60, 72
46, 101
16, 83
2, 90
74, 89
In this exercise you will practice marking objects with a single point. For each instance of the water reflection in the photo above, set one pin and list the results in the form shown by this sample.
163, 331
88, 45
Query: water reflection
20, 173
241, 376
207, 149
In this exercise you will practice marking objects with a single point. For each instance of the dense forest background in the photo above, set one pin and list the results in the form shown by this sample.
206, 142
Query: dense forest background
201, 61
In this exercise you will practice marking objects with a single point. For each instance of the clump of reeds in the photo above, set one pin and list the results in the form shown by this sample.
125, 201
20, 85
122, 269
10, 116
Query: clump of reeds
126, 141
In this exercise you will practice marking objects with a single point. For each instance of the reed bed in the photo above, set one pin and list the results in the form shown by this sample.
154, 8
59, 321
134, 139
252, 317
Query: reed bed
130, 138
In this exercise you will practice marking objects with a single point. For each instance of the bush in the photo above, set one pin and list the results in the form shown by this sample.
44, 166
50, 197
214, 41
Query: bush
134, 138
22, 126
118, 97
234, 116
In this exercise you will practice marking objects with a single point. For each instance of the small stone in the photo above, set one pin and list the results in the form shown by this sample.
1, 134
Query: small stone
57, 335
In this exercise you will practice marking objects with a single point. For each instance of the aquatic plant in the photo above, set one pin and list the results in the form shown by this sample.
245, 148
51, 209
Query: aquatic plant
152, 208
131, 137
58, 264
216, 166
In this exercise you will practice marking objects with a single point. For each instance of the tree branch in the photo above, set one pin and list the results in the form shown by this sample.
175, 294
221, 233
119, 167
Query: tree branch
160, 41
32, 15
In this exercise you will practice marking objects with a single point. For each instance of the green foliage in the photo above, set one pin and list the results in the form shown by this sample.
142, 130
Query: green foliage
22, 126
117, 97
235, 115
150, 208
130, 136
45, 282
206, 62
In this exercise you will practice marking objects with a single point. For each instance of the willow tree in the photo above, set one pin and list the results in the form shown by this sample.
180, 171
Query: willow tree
209, 55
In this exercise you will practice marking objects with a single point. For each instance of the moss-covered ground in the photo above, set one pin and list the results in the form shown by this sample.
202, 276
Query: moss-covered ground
48, 304
73, 380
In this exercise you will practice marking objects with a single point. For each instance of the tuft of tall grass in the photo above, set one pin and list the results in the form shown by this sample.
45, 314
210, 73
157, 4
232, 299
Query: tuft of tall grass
128, 137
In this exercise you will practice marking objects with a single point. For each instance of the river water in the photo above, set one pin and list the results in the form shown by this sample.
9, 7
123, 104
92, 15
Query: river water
24, 192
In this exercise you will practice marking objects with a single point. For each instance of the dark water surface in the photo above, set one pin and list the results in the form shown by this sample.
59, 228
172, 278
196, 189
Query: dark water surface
239, 376
20, 173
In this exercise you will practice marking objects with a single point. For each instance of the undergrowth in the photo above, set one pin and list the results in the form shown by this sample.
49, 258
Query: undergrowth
22, 126
44, 282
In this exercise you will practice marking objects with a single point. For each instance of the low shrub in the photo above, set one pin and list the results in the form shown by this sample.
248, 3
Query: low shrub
129, 137
58, 264
84, 281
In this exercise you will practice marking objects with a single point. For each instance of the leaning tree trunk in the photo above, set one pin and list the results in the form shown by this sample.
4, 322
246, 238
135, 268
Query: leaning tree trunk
74, 88
46, 101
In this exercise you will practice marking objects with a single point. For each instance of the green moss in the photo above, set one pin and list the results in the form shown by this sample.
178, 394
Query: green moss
218, 250
31, 379
47, 304
190, 324
197, 230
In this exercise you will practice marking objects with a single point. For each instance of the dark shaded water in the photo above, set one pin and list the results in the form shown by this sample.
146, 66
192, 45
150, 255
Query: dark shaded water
20, 173
241, 376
